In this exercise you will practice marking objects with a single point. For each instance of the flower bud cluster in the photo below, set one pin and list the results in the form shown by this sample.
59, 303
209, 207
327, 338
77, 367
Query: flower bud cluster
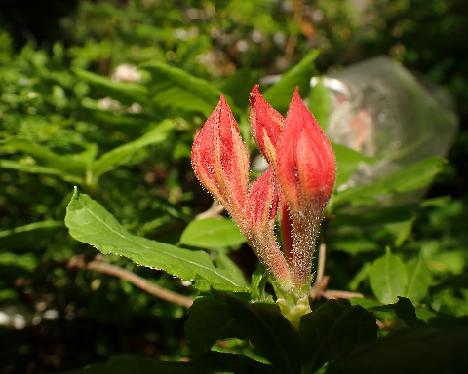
296, 186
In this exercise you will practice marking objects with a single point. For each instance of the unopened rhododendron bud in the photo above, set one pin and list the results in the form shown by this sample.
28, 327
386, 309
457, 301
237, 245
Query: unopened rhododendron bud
298, 183
267, 124
305, 161
220, 160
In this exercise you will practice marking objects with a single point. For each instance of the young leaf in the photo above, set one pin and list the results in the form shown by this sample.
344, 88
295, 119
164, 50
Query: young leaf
88, 222
388, 278
211, 233
279, 95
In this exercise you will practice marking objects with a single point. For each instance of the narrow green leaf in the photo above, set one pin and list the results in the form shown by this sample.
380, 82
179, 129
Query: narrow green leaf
31, 235
15, 165
211, 233
388, 278
88, 222
124, 154
320, 103
279, 95
174, 88
128, 93
419, 279
70, 164
410, 178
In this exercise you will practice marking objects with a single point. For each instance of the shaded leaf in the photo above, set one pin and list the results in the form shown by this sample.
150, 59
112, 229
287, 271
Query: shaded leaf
332, 330
428, 350
270, 332
209, 319
31, 235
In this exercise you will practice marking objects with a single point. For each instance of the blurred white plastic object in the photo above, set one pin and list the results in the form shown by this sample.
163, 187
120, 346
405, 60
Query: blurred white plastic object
380, 109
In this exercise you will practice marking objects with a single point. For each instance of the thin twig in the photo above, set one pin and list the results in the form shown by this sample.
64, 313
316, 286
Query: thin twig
319, 288
322, 258
116, 271
339, 294
213, 211
292, 40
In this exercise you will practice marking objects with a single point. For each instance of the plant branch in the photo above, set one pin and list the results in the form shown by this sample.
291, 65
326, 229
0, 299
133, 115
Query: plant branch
319, 288
213, 211
116, 271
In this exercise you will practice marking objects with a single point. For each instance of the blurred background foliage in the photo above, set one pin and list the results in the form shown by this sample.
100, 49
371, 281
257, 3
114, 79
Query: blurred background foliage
69, 116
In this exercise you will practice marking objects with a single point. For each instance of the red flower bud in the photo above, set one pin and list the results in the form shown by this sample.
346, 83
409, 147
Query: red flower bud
261, 211
305, 168
267, 124
305, 162
220, 160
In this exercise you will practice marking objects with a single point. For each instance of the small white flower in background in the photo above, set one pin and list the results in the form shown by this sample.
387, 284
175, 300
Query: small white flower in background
126, 73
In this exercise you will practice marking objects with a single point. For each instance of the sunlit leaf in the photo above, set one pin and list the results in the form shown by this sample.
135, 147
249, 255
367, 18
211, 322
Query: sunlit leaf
89, 222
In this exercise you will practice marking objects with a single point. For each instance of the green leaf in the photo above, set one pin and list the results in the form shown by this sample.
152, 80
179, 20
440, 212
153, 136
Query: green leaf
176, 89
127, 93
15, 165
212, 233
320, 103
222, 261
419, 279
410, 178
332, 330
70, 164
279, 95
388, 278
88, 222
31, 235
416, 350
124, 154
209, 319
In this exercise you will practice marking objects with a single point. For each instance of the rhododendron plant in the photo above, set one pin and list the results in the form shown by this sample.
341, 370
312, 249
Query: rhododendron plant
296, 185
